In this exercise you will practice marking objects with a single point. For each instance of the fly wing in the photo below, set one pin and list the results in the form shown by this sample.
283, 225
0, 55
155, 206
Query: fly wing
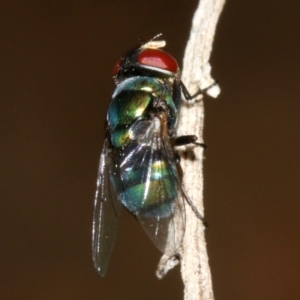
153, 192
106, 216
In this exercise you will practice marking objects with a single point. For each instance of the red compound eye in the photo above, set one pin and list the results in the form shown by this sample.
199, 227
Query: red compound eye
116, 68
158, 59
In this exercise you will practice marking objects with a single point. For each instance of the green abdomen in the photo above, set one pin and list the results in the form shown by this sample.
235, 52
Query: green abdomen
148, 188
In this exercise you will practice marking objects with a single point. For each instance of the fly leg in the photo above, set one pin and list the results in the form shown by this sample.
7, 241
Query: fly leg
185, 195
187, 94
188, 139
193, 207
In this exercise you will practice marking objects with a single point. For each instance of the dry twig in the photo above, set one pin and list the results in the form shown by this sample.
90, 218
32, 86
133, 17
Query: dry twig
196, 73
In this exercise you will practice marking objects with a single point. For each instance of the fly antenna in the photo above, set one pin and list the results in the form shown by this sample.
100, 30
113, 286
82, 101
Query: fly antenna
156, 36
154, 44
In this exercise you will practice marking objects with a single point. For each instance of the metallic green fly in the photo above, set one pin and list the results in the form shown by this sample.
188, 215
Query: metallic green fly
139, 167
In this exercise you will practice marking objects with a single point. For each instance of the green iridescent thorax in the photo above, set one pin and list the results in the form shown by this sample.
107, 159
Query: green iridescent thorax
132, 100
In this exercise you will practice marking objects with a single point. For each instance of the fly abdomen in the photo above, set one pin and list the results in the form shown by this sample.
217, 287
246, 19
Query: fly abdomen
148, 191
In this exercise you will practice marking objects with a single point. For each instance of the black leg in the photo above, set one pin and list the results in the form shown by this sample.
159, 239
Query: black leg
187, 94
194, 209
188, 139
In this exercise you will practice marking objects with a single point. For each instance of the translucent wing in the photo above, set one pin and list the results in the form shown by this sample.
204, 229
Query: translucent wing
151, 185
107, 211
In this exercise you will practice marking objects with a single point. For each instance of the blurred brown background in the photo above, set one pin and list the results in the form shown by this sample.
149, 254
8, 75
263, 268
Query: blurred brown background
56, 60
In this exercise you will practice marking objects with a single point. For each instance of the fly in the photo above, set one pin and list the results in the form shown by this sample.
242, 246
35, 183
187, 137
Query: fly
139, 167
